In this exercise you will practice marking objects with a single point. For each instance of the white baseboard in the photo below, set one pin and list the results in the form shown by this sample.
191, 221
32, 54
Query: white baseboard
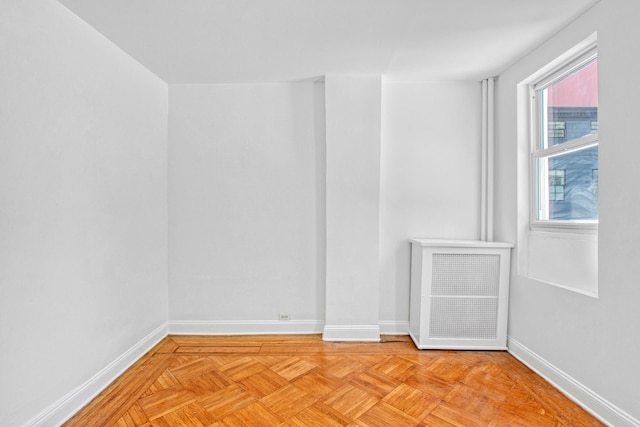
251, 327
368, 333
75, 400
265, 327
392, 327
591, 401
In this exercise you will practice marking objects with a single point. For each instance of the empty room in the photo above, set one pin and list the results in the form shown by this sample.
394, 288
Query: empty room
319, 212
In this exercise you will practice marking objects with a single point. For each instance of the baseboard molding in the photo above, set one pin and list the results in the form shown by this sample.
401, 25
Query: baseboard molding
254, 327
75, 400
392, 327
367, 333
591, 401
266, 327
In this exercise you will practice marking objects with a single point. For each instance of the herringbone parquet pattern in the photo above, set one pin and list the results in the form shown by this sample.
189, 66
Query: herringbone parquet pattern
303, 381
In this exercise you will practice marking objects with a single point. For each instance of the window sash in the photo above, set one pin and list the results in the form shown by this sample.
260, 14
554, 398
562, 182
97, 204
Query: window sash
590, 55
541, 188
586, 141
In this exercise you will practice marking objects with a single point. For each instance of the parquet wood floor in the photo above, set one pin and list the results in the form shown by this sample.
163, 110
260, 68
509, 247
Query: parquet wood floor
304, 381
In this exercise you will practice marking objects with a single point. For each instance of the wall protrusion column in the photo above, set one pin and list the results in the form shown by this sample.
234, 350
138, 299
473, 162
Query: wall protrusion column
353, 105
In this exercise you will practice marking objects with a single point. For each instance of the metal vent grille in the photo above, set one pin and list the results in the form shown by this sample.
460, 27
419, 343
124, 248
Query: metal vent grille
456, 317
464, 296
466, 274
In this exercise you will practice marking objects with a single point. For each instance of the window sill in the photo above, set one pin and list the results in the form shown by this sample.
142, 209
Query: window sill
563, 258
576, 290
576, 227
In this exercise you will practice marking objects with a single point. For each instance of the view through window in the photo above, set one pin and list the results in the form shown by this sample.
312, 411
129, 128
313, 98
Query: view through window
565, 150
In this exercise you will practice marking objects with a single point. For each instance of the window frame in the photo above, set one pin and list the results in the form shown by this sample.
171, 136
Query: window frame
539, 181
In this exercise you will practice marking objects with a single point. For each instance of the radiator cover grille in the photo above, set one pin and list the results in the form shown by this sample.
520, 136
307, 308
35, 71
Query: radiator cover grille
463, 317
464, 296
466, 274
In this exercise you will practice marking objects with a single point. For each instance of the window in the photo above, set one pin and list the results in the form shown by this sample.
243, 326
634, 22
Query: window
564, 149
557, 168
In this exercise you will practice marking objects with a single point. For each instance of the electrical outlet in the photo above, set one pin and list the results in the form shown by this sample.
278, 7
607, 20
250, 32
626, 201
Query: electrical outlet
283, 316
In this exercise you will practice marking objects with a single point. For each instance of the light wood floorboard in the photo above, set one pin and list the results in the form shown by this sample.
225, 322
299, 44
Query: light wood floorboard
213, 381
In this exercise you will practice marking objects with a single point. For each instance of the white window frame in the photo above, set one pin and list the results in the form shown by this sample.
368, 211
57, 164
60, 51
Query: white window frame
538, 178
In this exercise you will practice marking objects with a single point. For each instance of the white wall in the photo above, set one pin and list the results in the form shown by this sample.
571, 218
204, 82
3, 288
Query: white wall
593, 342
83, 218
247, 200
353, 104
429, 177
244, 210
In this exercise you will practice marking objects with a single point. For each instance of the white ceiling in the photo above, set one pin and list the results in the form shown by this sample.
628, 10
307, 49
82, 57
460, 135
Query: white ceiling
209, 41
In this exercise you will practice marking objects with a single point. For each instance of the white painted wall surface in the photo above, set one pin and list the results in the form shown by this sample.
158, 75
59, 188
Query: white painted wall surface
353, 108
243, 221
83, 218
593, 341
429, 176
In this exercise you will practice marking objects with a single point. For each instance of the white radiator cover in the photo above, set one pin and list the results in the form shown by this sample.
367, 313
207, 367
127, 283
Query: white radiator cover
459, 294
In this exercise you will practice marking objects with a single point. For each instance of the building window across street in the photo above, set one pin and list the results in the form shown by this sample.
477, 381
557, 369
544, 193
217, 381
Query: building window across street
556, 185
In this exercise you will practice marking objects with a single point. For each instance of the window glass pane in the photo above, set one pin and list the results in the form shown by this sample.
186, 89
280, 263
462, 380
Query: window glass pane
568, 188
569, 107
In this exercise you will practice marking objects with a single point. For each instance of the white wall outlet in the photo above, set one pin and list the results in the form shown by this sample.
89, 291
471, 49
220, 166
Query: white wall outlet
283, 317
